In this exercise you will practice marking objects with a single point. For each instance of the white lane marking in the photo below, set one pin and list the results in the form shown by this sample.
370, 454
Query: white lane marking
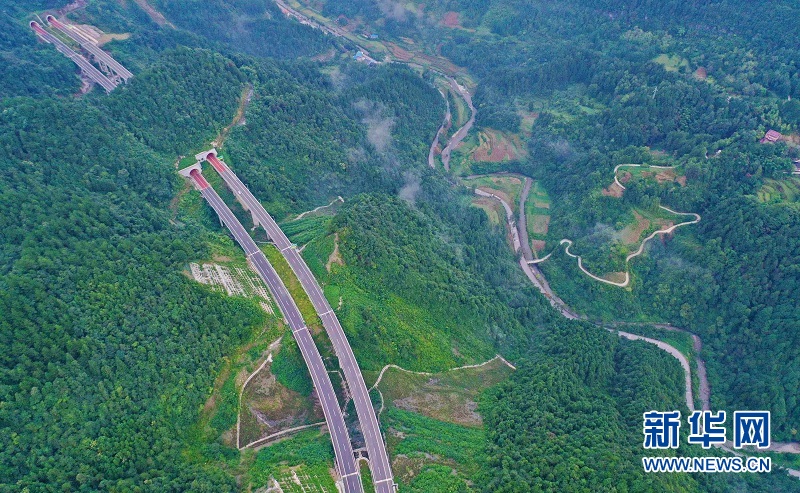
286, 248
326, 313
351, 474
383, 480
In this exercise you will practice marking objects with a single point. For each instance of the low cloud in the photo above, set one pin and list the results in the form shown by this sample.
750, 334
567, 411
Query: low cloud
393, 10
379, 127
410, 188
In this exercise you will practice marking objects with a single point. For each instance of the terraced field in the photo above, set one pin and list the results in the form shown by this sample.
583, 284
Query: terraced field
780, 191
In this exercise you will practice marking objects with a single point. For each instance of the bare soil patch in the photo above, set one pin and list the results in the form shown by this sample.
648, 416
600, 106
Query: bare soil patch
399, 53
268, 407
495, 147
615, 276
701, 73
667, 175
540, 224
537, 245
613, 190
491, 207
105, 38
449, 396
450, 19
503, 195
541, 205
335, 257
633, 232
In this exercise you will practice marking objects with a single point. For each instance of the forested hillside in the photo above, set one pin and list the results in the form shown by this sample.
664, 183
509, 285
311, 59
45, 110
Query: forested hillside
693, 85
106, 346
111, 356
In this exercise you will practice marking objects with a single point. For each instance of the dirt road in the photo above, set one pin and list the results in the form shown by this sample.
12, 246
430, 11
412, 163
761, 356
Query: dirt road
445, 124
462, 132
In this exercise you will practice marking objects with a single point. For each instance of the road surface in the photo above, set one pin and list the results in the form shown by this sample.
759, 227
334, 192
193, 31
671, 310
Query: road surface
445, 123
91, 47
456, 139
512, 228
87, 68
376, 449
345, 459
522, 224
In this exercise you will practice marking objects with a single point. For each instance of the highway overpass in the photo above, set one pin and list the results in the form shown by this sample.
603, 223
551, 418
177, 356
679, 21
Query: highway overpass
345, 460
376, 448
89, 45
87, 68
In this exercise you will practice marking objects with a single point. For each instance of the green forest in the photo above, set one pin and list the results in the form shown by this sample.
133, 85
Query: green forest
110, 352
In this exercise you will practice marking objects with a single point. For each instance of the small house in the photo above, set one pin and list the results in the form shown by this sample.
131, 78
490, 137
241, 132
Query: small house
771, 137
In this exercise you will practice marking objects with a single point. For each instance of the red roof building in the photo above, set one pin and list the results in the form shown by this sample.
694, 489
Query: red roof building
771, 137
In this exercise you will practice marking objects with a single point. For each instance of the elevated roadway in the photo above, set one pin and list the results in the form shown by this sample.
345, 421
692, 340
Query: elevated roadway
87, 68
343, 449
376, 448
90, 46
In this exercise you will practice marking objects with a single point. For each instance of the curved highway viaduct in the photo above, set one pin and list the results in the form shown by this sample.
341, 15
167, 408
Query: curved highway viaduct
376, 448
343, 449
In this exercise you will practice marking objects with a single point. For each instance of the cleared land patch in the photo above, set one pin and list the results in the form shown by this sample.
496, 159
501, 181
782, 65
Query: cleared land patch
495, 146
450, 396
235, 280
661, 175
492, 209
507, 187
671, 63
537, 216
450, 19
775, 191
268, 408
301, 464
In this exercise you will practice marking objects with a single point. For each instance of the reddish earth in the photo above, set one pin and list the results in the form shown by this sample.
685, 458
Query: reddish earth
541, 224
400, 53
538, 245
613, 190
665, 176
451, 19
631, 234
701, 73
495, 148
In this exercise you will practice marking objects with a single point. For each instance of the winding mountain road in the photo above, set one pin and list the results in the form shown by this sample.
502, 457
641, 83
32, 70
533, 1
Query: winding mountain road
462, 132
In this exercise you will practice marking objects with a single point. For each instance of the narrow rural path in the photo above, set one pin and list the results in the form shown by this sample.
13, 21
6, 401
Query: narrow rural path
425, 373
704, 390
465, 367
512, 228
522, 223
445, 123
635, 254
638, 252
304, 214
462, 132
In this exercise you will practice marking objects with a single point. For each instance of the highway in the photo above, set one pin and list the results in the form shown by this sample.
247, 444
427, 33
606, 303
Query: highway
91, 47
87, 68
376, 448
343, 449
